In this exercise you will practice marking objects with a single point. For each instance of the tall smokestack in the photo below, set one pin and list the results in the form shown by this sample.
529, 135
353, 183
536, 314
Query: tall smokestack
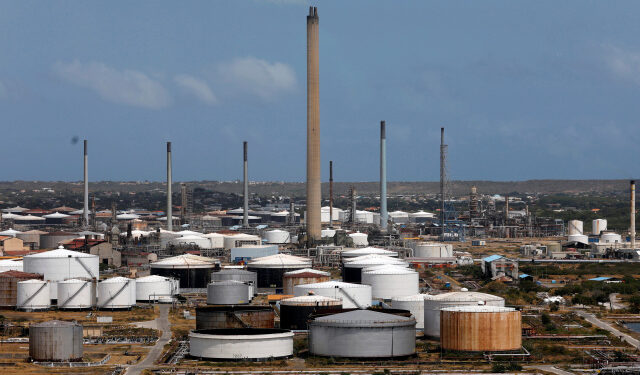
313, 128
245, 215
383, 176
442, 177
169, 193
330, 193
633, 215
85, 212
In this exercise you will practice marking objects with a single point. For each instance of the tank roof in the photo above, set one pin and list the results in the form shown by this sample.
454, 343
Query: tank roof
114, 280
310, 300
415, 297
372, 259
303, 272
152, 279
186, 261
480, 309
280, 260
234, 271
368, 250
333, 284
364, 318
227, 282
464, 296
56, 323
32, 281
391, 270
60, 252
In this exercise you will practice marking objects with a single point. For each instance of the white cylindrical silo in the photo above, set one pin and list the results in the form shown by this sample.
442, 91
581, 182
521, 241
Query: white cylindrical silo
610, 237
216, 240
582, 238
352, 295
115, 293
432, 250
11, 265
434, 303
415, 304
152, 288
277, 236
33, 295
359, 239
352, 267
75, 294
598, 226
575, 227
229, 292
391, 281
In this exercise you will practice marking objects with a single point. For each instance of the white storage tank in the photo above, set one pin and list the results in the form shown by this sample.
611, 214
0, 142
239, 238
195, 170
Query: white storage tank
62, 264
192, 240
359, 239
598, 226
434, 303
229, 292
76, 294
33, 295
367, 251
582, 238
362, 334
352, 267
351, 295
277, 236
239, 240
154, 287
116, 293
11, 265
192, 271
432, 250
271, 269
216, 240
415, 304
241, 343
391, 281
610, 237
575, 227
327, 233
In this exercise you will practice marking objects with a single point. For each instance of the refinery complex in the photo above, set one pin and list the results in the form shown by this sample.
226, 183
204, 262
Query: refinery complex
330, 281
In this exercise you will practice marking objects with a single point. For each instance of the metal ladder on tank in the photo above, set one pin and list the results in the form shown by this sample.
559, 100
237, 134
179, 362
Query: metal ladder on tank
350, 297
73, 295
45, 285
236, 317
125, 286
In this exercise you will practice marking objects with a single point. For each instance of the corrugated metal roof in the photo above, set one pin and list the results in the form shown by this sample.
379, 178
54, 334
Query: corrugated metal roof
491, 258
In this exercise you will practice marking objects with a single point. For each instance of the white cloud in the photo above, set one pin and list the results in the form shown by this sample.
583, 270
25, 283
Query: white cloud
259, 77
623, 64
128, 87
196, 87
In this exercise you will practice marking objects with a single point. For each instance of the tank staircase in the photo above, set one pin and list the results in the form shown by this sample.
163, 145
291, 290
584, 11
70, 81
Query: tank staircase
85, 267
234, 316
26, 302
116, 294
84, 285
353, 300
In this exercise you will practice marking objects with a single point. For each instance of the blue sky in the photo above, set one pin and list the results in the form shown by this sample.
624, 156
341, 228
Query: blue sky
525, 90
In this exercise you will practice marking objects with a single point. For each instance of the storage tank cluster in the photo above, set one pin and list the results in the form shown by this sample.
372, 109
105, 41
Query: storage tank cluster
362, 334
271, 269
352, 267
391, 281
351, 295
303, 276
480, 328
434, 303
295, 311
55, 341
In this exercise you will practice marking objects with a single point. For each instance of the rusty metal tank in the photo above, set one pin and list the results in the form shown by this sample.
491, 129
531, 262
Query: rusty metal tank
480, 329
303, 276
55, 341
234, 316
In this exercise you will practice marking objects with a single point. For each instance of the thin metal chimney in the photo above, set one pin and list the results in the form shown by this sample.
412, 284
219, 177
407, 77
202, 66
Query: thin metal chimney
314, 197
85, 212
383, 176
632, 228
169, 193
330, 193
442, 177
245, 216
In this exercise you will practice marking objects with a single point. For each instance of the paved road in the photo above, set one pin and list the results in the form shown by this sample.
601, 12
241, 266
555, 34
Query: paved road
604, 325
549, 368
161, 323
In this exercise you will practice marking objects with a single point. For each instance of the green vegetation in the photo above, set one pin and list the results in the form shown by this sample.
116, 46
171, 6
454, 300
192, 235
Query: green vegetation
505, 367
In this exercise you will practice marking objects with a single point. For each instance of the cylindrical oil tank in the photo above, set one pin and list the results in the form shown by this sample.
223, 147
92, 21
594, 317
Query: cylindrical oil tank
62, 264
228, 292
432, 250
238, 275
367, 251
359, 239
582, 238
480, 329
153, 287
362, 334
9, 286
303, 276
598, 226
391, 281
192, 241
193, 271
351, 295
241, 316
434, 303
11, 265
76, 294
115, 293
415, 304
55, 341
33, 295
53, 239
216, 240
352, 267
610, 237
295, 312
271, 269
277, 236
240, 344
575, 227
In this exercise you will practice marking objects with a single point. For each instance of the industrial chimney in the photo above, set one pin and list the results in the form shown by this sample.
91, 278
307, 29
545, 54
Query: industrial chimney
245, 215
169, 182
442, 178
383, 176
85, 212
313, 128
330, 193
632, 228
